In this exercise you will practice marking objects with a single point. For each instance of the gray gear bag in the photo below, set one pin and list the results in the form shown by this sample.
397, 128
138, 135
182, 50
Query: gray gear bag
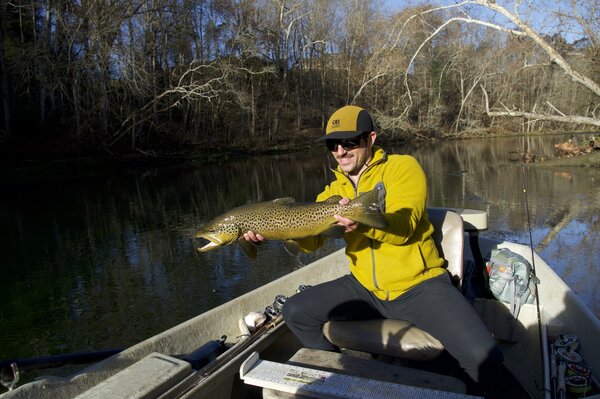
511, 279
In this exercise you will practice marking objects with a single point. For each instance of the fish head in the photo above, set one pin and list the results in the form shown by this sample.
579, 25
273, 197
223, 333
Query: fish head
216, 234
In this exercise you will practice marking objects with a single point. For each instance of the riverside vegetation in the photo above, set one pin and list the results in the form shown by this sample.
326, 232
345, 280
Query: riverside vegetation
139, 82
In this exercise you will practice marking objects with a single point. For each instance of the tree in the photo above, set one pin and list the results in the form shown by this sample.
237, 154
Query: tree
517, 27
4, 91
132, 74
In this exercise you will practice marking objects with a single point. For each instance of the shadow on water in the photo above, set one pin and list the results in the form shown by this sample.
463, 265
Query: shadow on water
110, 261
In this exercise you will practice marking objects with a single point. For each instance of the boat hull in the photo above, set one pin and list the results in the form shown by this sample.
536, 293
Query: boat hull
560, 309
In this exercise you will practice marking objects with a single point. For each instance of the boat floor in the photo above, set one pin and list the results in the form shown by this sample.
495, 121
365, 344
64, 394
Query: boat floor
441, 375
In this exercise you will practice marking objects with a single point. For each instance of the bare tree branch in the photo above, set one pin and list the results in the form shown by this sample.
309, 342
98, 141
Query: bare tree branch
583, 120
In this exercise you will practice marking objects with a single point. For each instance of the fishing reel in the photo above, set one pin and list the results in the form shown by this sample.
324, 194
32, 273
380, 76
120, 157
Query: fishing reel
273, 311
255, 320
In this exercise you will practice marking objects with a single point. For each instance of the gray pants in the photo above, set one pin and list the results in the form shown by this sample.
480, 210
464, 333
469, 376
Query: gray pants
435, 306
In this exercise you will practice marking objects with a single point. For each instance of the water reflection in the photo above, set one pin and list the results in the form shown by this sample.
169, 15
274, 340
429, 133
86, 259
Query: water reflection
110, 261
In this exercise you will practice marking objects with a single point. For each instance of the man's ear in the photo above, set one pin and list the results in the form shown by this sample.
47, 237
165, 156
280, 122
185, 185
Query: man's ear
371, 138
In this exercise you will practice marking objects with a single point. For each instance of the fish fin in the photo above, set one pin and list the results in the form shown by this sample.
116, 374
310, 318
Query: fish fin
247, 248
333, 199
292, 247
284, 201
373, 203
335, 231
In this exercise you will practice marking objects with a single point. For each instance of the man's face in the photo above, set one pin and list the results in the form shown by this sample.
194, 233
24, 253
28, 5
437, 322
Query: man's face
352, 155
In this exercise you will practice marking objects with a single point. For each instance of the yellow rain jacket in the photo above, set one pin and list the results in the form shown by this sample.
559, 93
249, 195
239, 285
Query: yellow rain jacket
390, 260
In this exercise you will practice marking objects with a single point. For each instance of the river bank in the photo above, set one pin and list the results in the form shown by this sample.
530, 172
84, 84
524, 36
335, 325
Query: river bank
591, 160
36, 169
51, 163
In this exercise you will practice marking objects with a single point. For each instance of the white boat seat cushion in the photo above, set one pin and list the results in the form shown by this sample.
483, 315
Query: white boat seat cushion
400, 338
449, 238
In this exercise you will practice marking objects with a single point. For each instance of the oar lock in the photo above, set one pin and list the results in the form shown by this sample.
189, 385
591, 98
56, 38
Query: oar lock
12, 380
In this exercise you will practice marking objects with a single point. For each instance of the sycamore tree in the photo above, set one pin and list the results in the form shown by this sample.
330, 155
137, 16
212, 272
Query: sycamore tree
570, 69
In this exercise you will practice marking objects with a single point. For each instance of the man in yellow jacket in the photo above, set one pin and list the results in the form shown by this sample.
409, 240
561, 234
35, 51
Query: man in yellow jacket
395, 271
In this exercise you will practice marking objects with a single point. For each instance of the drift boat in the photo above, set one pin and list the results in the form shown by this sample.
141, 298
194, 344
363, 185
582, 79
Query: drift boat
551, 349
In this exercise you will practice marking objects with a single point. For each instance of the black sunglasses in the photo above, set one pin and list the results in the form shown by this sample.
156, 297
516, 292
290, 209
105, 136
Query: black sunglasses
347, 144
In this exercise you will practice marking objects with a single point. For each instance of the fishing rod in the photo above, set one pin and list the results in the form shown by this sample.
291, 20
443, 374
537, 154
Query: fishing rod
274, 318
533, 269
229, 355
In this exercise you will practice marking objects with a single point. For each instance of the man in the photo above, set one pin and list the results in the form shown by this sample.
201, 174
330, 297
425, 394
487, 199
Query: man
395, 271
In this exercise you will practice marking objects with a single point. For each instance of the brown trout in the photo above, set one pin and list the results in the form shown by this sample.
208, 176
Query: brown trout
287, 220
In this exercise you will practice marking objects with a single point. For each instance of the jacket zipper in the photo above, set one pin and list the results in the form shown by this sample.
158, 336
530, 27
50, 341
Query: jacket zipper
374, 266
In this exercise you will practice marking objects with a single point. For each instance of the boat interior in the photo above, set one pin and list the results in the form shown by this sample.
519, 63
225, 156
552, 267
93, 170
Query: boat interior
377, 359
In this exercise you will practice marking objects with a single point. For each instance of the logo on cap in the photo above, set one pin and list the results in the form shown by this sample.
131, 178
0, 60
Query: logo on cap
335, 123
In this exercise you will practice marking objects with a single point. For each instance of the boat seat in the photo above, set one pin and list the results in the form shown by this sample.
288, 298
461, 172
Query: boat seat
421, 383
400, 338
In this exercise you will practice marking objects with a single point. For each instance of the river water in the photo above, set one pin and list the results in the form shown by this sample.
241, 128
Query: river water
109, 261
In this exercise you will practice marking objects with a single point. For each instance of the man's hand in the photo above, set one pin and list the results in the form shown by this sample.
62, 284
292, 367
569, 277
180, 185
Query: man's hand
253, 237
348, 224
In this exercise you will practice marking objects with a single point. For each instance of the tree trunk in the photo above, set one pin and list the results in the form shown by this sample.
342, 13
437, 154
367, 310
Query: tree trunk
45, 51
4, 74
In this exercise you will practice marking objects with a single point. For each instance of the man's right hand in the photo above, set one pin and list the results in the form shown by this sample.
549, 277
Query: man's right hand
348, 224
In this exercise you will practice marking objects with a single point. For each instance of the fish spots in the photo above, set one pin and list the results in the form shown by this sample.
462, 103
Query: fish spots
284, 219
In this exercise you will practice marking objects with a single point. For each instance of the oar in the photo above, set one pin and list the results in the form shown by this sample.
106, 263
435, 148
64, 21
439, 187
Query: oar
45, 362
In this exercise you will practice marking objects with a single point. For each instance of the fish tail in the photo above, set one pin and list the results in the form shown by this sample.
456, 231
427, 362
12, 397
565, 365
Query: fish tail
372, 206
